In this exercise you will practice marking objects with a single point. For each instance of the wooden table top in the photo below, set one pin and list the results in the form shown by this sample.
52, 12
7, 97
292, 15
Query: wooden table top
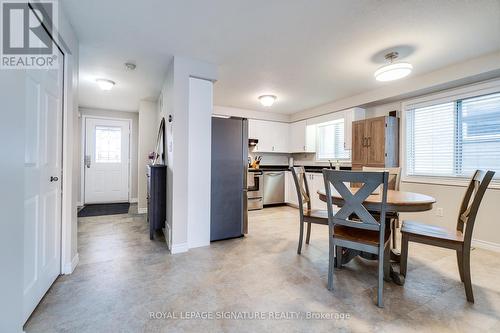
397, 201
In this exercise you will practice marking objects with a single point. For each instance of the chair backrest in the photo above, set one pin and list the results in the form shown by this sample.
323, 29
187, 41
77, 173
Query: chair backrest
300, 180
353, 202
394, 176
471, 201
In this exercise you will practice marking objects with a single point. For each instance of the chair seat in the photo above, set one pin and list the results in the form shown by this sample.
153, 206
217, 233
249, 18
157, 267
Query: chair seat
359, 235
431, 231
316, 216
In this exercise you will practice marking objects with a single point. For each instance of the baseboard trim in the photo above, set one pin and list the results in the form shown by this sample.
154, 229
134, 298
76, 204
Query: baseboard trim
69, 267
179, 248
133, 200
142, 210
198, 244
495, 247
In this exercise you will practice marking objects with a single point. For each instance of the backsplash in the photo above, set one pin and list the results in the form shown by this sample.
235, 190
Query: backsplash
306, 159
271, 158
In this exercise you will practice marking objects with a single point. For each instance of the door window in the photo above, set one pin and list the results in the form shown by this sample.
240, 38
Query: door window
108, 141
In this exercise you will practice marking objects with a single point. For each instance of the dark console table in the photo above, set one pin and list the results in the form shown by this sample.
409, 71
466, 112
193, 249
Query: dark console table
157, 197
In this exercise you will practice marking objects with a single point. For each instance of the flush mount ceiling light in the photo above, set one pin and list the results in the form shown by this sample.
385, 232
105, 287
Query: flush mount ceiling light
393, 70
105, 84
267, 100
130, 66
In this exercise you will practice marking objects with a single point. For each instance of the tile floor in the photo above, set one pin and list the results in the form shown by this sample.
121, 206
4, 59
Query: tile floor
122, 277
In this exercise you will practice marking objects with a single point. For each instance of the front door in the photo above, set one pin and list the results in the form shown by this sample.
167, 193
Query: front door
106, 161
43, 172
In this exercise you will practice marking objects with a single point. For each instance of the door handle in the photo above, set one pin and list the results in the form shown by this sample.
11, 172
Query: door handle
54, 179
87, 161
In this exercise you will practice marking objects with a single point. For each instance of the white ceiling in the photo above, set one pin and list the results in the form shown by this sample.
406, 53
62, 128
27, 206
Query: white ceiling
307, 52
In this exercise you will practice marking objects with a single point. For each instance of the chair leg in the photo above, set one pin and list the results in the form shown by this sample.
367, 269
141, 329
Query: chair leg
308, 235
460, 262
331, 263
467, 278
301, 235
404, 254
339, 256
380, 286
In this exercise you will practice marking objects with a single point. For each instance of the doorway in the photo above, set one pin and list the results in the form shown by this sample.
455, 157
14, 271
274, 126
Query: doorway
106, 160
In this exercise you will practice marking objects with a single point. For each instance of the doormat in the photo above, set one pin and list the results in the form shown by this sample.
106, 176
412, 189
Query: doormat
104, 209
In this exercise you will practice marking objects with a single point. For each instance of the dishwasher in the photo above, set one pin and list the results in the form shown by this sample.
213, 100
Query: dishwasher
274, 187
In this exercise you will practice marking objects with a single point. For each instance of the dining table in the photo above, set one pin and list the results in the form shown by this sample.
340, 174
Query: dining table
397, 202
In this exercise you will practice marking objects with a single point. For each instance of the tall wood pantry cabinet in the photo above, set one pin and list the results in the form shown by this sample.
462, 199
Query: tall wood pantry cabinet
375, 142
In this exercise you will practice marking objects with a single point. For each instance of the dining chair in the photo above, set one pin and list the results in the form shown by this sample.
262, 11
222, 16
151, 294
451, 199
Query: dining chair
307, 215
393, 184
364, 233
459, 239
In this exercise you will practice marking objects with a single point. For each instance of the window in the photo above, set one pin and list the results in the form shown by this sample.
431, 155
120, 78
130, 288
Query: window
453, 139
108, 141
330, 141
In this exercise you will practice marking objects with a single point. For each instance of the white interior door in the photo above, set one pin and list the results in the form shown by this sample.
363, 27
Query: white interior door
43, 172
106, 161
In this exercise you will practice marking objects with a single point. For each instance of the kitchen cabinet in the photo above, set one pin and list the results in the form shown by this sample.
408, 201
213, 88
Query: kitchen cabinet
272, 136
375, 142
302, 137
316, 183
290, 191
350, 116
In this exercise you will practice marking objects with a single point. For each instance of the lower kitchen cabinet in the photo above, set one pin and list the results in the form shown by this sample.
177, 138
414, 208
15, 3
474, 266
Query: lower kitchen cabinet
316, 183
290, 191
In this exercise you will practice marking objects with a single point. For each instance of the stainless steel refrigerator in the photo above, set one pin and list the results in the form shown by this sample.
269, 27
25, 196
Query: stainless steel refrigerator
229, 178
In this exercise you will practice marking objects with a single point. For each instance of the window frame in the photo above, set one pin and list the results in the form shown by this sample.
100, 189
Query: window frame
326, 123
473, 90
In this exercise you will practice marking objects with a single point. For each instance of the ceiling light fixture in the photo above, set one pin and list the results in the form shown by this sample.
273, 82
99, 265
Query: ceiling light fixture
393, 70
267, 100
130, 66
105, 84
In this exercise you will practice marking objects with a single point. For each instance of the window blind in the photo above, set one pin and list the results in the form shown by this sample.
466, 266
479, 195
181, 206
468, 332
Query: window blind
330, 141
453, 139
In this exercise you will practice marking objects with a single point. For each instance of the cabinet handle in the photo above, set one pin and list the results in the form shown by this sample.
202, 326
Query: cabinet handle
368, 141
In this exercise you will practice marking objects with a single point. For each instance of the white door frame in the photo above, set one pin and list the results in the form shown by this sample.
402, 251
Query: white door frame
82, 152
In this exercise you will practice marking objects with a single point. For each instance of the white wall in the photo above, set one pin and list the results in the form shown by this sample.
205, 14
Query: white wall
148, 130
250, 114
175, 96
12, 129
486, 231
134, 116
199, 163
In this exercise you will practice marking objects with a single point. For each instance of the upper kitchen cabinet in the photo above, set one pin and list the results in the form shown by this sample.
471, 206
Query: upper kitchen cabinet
375, 142
350, 116
302, 137
272, 136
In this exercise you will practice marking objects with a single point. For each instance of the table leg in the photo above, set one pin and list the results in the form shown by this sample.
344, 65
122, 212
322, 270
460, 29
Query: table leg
395, 256
397, 278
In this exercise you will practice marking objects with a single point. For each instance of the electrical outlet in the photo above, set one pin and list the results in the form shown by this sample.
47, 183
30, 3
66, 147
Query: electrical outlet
439, 212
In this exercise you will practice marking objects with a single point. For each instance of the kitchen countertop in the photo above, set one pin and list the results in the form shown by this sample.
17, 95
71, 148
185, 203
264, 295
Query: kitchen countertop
309, 168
